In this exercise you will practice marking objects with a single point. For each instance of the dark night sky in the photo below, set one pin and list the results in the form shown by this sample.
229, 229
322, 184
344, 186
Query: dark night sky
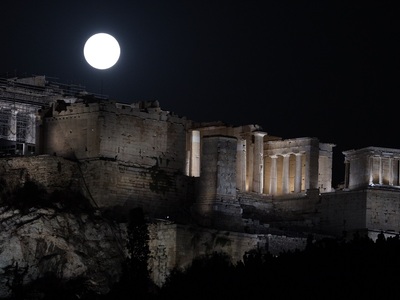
325, 69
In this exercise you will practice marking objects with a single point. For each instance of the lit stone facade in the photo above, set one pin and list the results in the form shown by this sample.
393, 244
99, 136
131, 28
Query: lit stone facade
296, 165
269, 165
372, 166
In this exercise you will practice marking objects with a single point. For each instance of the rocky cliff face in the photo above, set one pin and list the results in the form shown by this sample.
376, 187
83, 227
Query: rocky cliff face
66, 245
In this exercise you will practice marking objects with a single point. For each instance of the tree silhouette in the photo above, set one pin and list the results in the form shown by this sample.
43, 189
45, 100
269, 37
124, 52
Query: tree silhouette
135, 280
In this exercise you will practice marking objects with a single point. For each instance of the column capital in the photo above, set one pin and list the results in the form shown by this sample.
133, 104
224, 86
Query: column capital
259, 133
299, 153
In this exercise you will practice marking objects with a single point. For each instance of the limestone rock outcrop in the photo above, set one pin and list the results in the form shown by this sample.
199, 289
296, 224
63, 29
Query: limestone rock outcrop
68, 245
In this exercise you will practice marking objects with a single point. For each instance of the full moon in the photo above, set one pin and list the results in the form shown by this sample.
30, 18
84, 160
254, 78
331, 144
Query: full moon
101, 51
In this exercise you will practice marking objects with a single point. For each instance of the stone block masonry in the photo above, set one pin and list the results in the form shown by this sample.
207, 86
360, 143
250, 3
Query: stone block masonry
50, 172
175, 246
106, 130
161, 193
108, 184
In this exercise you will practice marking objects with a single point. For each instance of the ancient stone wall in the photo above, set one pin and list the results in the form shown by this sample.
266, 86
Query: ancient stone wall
383, 210
143, 138
302, 203
281, 243
47, 171
216, 202
71, 132
325, 167
130, 155
341, 212
160, 192
218, 169
373, 209
175, 246
108, 184
124, 133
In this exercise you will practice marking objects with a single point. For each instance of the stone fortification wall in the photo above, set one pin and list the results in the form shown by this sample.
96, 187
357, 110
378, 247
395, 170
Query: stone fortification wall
259, 201
383, 210
281, 243
70, 131
50, 172
162, 245
266, 213
297, 213
175, 246
108, 184
258, 211
160, 192
373, 209
130, 155
120, 132
343, 212
143, 136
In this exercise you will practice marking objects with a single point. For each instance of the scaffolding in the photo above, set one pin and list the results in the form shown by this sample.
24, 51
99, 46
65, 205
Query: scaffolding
20, 101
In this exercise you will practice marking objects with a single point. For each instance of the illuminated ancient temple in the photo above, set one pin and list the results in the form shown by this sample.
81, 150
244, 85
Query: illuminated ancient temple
372, 166
40, 116
262, 190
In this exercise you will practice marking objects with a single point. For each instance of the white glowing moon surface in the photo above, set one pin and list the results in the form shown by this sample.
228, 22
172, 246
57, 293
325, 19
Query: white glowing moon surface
101, 51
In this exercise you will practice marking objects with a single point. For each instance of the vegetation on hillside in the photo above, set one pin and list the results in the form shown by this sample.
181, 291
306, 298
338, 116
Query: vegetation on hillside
328, 268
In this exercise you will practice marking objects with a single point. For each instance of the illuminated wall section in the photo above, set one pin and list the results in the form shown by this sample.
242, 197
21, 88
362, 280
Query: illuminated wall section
195, 154
241, 165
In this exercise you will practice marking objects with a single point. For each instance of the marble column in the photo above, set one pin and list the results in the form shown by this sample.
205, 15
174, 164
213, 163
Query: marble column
273, 183
371, 170
195, 154
395, 171
258, 162
298, 174
390, 171
285, 174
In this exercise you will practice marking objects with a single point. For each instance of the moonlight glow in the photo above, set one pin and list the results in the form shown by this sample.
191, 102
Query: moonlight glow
101, 51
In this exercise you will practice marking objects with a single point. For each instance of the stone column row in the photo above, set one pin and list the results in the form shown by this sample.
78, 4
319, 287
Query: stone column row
273, 182
392, 174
